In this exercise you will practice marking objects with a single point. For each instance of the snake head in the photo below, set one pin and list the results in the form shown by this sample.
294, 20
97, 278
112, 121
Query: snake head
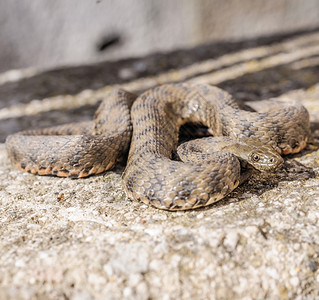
264, 158
250, 151
261, 157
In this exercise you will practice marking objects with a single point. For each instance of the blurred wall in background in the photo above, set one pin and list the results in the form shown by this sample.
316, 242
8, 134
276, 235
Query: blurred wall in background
45, 34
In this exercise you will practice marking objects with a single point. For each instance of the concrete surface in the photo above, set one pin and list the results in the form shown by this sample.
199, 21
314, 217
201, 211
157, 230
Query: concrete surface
83, 239
44, 35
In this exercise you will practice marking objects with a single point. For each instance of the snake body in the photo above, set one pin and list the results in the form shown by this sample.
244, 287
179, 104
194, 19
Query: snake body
207, 170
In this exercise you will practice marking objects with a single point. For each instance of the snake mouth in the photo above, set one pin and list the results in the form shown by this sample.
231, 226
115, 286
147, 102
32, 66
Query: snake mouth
246, 167
269, 168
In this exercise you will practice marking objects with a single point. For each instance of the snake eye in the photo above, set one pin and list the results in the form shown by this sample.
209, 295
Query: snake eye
255, 157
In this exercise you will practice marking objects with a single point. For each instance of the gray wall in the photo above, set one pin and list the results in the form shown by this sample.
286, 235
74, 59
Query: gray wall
66, 32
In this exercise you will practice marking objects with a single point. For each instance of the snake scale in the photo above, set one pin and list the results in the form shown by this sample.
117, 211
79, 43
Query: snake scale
148, 126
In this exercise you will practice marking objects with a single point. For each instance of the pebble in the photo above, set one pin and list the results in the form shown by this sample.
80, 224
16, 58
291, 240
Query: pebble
273, 273
294, 281
231, 240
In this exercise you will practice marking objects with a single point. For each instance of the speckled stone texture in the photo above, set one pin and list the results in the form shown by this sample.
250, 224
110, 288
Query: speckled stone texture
84, 239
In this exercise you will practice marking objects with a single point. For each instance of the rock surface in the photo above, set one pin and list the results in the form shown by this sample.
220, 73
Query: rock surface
84, 239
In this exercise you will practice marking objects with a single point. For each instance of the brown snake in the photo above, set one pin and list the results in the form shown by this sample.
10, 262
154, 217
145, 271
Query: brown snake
208, 170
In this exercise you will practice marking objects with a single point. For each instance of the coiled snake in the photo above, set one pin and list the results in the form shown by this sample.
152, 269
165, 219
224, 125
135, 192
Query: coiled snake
149, 126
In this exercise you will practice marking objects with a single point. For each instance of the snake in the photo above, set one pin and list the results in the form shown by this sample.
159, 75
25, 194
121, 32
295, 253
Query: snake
147, 126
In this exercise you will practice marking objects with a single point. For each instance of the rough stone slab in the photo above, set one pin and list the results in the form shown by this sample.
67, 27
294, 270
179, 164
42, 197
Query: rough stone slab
83, 239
